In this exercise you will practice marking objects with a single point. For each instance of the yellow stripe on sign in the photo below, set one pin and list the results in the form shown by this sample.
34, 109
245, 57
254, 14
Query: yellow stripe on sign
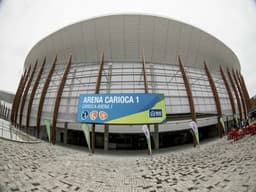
142, 117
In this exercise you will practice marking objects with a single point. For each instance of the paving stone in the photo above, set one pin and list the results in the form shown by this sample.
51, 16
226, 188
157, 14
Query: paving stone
215, 166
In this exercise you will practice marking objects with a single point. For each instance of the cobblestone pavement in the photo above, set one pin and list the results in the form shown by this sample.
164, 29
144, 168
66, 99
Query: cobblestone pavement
219, 165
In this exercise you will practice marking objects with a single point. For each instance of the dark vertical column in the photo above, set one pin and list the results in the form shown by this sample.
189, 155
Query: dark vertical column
44, 91
188, 90
66, 133
156, 138
8, 114
216, 97
241, 94
32, 95
58, 99
106, 126
236, 94
231, 99
106, 137
144, 72
1, 111
20, 95
26, 93
156, 127
5, 110
245, 91
97, 90
14, 103
15, 100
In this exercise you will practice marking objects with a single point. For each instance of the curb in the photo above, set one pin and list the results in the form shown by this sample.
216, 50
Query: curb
28, 142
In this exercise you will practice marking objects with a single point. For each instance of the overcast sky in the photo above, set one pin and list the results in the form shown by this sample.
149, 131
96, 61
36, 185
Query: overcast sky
24, 22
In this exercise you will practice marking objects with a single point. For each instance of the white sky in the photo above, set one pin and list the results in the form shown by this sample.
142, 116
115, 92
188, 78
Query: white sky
24, 22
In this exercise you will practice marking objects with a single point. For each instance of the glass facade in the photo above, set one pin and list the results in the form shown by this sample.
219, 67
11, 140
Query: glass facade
121, 77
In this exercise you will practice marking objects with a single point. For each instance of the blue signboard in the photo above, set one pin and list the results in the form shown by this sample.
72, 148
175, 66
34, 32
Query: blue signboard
123, 108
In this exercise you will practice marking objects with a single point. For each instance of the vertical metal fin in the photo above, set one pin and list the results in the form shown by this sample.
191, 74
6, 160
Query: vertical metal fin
58, 99
216, 97
188, 90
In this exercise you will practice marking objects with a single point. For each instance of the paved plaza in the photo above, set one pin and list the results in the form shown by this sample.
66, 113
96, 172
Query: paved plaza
218, 165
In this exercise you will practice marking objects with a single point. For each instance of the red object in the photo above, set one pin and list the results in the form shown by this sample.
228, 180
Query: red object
252, 129
233, 134
239, 133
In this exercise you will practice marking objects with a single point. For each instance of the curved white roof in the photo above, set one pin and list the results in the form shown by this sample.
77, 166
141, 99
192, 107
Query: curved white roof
122, 37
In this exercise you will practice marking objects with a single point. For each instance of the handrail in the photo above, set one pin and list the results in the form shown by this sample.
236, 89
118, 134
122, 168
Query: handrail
9, 132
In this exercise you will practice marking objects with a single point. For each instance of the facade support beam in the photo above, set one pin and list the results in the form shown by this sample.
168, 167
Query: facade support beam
245, 91
26, 93
188, 90
144, 72
156, 136
156, 127
14, 104
156, 133
106, 127
241, 95
236, 94
20, 95
32, 95
4, 111
97, 90
4, 108
1, 110
8, 114
42, 97
216, 98
58, 99
231, 99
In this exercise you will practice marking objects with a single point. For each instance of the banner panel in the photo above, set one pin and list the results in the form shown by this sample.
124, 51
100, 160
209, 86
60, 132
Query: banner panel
123, 108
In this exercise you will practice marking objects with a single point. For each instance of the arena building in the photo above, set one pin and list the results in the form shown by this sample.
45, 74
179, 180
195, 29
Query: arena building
198, 75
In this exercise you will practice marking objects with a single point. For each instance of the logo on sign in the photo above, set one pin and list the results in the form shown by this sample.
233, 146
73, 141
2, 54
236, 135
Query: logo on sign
103, 115
93, 115
84, 115
155, 113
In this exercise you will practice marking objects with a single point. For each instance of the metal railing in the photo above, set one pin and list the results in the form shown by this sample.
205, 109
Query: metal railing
8, 131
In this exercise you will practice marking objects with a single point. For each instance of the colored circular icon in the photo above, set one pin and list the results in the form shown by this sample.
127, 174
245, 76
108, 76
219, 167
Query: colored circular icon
103, 115
93, 115
84, 115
